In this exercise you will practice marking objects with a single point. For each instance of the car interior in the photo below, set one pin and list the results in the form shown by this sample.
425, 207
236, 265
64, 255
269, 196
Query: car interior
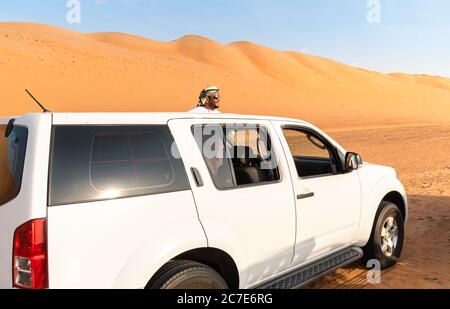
248, 167
309, 165
313, 166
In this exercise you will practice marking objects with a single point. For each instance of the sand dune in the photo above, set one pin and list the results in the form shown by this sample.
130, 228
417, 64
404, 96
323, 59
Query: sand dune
72, 71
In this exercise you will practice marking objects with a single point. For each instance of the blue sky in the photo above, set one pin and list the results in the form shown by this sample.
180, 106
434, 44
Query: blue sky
413, 36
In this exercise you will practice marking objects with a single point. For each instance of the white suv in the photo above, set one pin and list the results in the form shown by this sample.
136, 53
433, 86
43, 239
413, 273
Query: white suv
147, 200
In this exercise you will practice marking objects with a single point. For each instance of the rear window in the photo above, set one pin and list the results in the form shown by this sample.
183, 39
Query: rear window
92, 163
12, 157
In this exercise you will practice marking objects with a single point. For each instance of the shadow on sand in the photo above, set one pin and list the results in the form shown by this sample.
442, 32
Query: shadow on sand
428, 215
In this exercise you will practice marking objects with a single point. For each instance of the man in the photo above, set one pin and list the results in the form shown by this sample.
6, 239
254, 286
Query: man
209, 101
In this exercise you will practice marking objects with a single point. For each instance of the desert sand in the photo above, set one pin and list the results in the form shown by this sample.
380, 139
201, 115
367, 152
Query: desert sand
421, 156
393, 119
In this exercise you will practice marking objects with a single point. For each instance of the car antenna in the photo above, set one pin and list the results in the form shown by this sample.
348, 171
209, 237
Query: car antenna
35, 100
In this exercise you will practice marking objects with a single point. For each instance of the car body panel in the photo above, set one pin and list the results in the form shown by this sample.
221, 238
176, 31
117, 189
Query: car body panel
328, 220
376, 182
31, 202
91, 244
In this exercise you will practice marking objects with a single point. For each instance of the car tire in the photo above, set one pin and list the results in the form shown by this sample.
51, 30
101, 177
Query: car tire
386, 241
187, 275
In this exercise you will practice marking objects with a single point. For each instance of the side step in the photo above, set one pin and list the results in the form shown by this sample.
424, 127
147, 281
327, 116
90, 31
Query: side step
311, 272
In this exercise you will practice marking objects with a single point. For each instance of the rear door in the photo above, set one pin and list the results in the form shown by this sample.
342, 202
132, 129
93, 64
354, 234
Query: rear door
23, 181
243, 191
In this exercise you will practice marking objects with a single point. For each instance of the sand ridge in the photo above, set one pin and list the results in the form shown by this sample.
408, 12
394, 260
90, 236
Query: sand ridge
71, 71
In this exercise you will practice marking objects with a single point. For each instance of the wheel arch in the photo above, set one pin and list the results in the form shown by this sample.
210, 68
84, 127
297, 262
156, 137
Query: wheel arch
167, 243
215, 258
387, 189
396, 198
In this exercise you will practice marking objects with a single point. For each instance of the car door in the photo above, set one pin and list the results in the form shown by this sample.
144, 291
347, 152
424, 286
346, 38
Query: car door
328, 200
247, 212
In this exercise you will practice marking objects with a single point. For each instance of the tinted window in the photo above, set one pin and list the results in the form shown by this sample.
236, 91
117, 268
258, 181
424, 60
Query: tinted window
312, 157
12, 157
92, 163
237, 155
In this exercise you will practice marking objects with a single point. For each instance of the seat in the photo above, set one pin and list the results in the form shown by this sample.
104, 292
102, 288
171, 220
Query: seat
246, 165
247, 175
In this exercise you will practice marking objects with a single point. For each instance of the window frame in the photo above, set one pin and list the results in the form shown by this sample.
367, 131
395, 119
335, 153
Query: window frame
51, 155
235, 186
330, 146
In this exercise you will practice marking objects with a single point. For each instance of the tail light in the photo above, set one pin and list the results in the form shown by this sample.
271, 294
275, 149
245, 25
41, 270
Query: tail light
30, 270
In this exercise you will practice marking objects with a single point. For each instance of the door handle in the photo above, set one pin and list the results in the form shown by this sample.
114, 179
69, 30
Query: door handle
305, 195
197, 177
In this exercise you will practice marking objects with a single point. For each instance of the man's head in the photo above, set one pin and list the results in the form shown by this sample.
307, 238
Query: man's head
210, 98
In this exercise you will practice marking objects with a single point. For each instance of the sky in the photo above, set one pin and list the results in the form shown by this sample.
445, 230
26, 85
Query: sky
411, 36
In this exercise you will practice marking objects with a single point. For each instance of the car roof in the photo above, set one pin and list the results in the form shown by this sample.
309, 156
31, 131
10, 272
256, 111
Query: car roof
145, 117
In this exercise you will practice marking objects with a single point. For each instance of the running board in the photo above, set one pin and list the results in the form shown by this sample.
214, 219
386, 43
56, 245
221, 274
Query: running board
311, 272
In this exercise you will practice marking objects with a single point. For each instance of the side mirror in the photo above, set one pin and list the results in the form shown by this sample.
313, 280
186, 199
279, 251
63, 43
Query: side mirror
352, 161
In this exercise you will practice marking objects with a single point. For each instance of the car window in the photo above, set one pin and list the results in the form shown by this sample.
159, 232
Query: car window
312, 157
210, 139
12, 158
91, 163
237, 155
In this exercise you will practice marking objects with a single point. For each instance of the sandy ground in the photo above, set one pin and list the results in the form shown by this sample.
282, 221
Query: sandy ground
421, 156
78, 72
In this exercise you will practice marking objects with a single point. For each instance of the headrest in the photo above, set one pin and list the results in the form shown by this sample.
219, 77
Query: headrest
243, 154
